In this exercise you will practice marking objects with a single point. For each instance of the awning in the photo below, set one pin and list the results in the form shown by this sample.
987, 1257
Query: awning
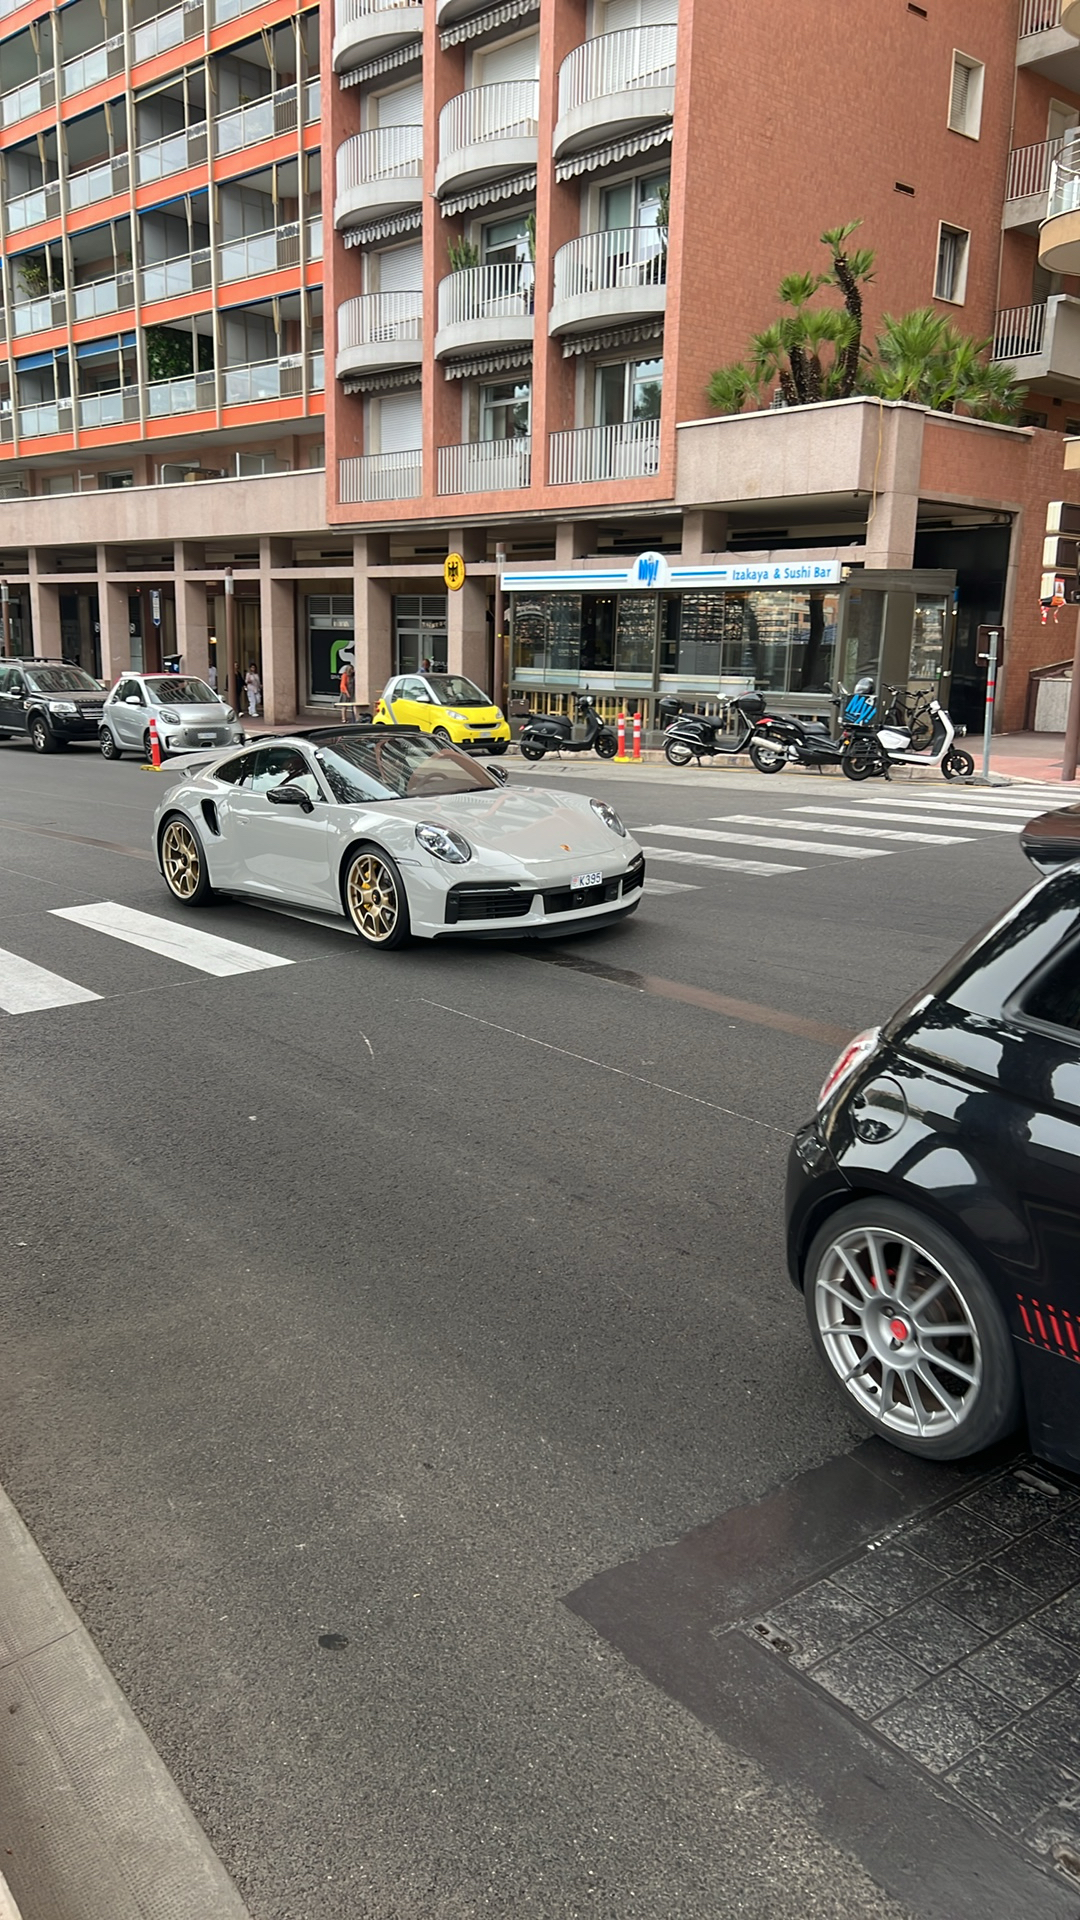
382, 229
514, 188
382, 63
649, 330
483, 22
593, 157
391, 382
505, 362
111, 343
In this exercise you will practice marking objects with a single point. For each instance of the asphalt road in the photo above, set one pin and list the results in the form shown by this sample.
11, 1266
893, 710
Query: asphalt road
392, 1297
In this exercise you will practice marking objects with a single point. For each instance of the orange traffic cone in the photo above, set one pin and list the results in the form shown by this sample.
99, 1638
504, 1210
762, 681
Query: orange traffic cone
155, 745
620, 735
637, 736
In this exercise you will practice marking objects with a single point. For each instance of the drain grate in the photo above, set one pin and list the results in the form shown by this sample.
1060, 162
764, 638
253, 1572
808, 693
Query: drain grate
956, 1640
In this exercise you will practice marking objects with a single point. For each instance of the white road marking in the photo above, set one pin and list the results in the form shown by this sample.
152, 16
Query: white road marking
826, 826
671, 886
672, 855
190, 945
914, 819
765, 840
978, 809
25, 988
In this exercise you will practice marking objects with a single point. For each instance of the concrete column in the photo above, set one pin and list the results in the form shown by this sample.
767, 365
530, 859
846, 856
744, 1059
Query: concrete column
372, 618
87, 636
44, 612
114, 622
892, 463
277, 614
467, 637
191, 623
574, 540
703, 531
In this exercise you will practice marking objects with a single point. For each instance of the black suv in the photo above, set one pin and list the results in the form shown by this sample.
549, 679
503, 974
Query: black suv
52, 702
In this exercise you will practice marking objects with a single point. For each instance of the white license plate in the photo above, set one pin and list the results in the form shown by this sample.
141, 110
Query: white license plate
206, 739
578, 880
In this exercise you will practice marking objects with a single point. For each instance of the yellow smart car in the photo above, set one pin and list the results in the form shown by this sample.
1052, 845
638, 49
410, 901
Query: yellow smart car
445, 705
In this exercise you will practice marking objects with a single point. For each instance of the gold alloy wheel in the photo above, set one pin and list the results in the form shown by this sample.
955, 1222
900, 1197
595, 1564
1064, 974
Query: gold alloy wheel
372, 896
180, 859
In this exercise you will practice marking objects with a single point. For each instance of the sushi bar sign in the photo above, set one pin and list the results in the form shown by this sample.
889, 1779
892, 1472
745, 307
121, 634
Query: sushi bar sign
654, 571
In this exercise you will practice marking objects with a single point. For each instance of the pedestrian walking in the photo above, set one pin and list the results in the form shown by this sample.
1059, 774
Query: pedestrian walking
253, 688
347, 691
211, 674
238, 698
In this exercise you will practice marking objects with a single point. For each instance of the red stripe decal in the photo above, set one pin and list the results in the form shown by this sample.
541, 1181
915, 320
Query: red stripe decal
1024, 1316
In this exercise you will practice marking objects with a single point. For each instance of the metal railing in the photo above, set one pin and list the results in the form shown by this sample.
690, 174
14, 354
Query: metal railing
171, 154
260, 120
379, 476
109, 409
232, 9
185, 393
38, 315
315, 238
371, 318
501, 292
182, 273
613, 62
97, 297
45, 417
317, 372
22, 101
604, 262
628, 451
313, 101
98, 182
485, 466
90, 68
1065, 179
38, 203
346, 11
1019, 332
165, 30
506, 111
1029, 169
1039, 16
383, 153
255, 253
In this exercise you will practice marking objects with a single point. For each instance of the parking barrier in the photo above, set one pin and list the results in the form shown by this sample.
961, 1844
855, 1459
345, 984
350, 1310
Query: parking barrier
620, 735
155, 745
637, 736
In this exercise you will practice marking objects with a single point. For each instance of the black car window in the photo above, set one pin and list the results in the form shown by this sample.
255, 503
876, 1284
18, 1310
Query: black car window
282, 767
238, 772
1056, 997
16, 684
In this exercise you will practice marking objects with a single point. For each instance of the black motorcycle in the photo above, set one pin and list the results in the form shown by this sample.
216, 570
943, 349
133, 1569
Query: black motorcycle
553, 733
695, 736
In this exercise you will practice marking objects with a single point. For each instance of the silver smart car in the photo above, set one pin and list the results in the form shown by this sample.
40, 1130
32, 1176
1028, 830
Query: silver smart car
188, 714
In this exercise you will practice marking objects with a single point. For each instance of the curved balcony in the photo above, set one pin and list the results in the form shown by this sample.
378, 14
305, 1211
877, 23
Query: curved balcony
365, 28
485, 307
447, 11
379, 331
1070, 17
485, 132
614, 85
618, 274
378, 174
1059, 235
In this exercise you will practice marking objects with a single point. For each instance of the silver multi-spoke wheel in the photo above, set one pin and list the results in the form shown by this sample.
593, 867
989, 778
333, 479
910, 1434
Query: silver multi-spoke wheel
898, 1332
375, 899
181, 860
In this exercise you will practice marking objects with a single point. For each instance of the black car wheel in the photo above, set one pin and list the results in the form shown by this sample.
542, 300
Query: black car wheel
375, 898
499, 746
183, 863
107, 743
440, 734
910, 1330
42, 737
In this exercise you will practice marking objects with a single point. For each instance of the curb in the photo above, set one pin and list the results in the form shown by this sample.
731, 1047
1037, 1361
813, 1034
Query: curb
92, 1824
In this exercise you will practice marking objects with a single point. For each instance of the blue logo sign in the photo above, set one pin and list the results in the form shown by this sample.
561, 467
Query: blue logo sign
650, 570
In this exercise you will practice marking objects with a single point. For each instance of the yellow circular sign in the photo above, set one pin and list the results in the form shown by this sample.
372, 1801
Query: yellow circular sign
454, 571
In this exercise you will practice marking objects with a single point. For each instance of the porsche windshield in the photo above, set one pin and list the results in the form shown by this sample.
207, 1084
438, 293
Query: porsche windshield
451, 690
377, 766
171, 691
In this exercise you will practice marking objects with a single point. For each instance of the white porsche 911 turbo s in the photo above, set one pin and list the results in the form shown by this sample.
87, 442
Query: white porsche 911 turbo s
399, 834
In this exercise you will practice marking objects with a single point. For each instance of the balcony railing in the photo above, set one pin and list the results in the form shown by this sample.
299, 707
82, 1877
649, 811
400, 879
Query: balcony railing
45, 417
186, 393
99, 297
506, 111
485, 466
1039, 16
315, 238
232, 9
347, 11
613, 62
501, 292
98, 182
379, 476
182, 273
39, 203
166, 30
1029, 169
628, 451
373, 318
255, 253
1065, 179
260, 120
313, 101
383, 153
90, 68
158, 159
21, 102
1019, 332
38, 315
270, 380
605, 262
110, 409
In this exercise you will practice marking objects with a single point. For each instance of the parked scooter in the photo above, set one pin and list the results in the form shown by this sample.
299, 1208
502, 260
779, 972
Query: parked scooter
874, 750
553, 733
696, 736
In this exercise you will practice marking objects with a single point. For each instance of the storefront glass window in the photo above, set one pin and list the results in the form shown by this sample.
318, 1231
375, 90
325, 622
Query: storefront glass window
928, 638
330, 635
635, 634
420, 633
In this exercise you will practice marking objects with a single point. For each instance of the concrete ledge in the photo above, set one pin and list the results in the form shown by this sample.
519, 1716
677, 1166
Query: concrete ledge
92, 1826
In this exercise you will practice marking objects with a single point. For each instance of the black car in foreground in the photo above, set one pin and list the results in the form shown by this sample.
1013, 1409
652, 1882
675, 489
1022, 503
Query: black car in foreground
933, 1204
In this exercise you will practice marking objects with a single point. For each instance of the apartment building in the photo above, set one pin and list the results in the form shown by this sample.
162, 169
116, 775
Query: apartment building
531, 229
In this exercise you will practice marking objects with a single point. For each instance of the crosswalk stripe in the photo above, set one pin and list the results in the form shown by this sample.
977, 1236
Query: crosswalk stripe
764, 840
25, 988
190, 945
764, 869
914, 819
978, 809
671, 886
826, 826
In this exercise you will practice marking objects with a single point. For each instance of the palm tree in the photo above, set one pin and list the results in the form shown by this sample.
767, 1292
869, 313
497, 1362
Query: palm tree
850, 272
922, 357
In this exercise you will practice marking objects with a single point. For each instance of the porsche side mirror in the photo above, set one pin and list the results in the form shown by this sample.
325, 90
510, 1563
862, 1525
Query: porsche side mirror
500, 774
290, 795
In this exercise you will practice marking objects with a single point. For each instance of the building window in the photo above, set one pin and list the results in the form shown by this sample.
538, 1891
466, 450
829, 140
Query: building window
966, 95
950, 281
1031, 419
629, 390
505, 409
634, 203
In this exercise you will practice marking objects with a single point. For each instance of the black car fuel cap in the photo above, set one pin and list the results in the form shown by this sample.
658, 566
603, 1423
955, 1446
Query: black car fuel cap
879, 1109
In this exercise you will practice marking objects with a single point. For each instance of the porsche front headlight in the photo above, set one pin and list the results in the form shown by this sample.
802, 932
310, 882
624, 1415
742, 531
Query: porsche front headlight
609, 817
444, 844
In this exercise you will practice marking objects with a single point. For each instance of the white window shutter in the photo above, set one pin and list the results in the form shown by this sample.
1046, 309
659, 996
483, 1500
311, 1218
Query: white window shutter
518, 61
404, 107
958, 105
400, 422
401, 269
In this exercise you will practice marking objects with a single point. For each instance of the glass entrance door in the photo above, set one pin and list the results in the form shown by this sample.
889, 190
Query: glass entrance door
420, 636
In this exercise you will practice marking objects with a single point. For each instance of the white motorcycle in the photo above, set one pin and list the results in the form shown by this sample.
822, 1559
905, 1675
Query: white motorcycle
923, 737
